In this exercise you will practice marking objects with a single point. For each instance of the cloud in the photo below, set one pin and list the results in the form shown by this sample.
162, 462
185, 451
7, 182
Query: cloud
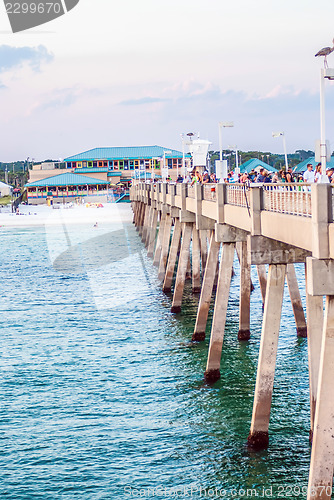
15, 57
63, 98
142, 100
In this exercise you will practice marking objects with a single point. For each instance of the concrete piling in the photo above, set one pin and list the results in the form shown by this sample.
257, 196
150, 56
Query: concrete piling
157, 253
296, 301
212, 372
206, 291
314, 311
196, 261
322, 457
182, 267
153, 233
165, 247
259, 432
245, 292
176, 239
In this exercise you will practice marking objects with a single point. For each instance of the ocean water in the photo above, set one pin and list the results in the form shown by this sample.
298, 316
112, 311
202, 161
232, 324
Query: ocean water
102, 393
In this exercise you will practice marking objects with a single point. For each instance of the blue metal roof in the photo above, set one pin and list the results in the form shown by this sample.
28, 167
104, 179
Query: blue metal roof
302, 167
253, 163
68, 179
115, 174
90, 170
126, 153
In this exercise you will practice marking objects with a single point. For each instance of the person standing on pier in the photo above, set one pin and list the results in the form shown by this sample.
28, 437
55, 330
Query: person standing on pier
289, 175
309, 174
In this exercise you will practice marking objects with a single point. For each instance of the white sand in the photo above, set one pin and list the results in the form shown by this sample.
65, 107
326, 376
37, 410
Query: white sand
40, 215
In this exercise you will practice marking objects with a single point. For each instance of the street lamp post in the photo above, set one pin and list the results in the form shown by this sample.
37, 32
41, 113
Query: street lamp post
165, 169
235, 149
221, 168
323, 153
281, 134
183, 157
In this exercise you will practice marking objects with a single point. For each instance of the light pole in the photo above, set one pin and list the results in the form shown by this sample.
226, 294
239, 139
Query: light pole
268, 159
322, 152
281, 134
183, 158
220, 126
165, 169
235, 149
221, 166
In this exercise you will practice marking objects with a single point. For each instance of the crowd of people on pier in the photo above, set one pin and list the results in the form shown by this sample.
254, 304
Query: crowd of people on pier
262, 176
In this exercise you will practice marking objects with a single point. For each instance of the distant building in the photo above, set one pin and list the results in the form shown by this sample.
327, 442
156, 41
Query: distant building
117, 164
67, 186
255, 164
5, 189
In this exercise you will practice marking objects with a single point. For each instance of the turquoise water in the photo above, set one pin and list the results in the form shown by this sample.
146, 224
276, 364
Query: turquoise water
104, 398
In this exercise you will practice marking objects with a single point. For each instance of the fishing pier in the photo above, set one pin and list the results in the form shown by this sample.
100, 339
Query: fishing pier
196, 230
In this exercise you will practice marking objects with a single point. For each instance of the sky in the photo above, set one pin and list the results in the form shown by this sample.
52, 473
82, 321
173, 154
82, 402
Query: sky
143, 72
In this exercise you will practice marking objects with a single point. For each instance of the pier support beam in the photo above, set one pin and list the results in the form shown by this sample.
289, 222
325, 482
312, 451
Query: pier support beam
204, 247
212, 372
165, 247
149, 225
176, 238
245, 292
322, 457
296, 301
152, 233
315, 315
157, 253
141, 213
206, 292
196, 261
143, 220
259, 436
182, 267
262, 275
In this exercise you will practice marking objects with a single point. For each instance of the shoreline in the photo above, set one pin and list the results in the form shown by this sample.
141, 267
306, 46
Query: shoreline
41, 215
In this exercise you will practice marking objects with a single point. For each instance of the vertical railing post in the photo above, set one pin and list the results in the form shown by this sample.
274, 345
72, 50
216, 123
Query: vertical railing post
321, 217
221, 200
256, 205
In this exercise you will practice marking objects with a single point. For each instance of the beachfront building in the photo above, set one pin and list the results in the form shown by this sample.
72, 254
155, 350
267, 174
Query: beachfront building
67, 187
256, 164
118, 164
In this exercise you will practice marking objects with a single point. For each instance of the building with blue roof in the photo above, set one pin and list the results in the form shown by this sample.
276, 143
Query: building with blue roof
302, 166
255, 164
67, 185
125, 159
120, 163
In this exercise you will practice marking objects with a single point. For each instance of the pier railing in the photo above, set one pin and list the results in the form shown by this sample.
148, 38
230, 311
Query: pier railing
293, 199
237, 194
297, 214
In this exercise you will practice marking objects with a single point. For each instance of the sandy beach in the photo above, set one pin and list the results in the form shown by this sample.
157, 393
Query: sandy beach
40, 215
